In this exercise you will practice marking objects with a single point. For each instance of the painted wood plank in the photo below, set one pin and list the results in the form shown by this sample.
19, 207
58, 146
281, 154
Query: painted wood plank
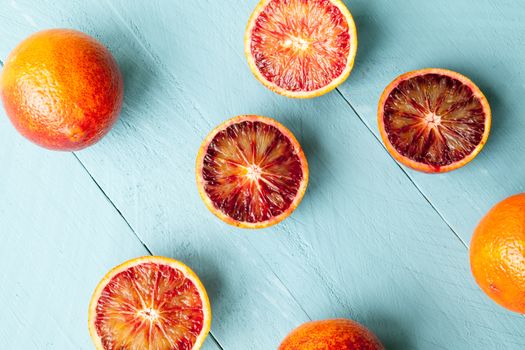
483, 41
222, 263
315, 270
239, 84
59, 236
191, 52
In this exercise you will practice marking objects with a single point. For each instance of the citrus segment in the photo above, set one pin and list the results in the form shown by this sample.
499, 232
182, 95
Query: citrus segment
251, 172
434, 120
149, 303
301, 48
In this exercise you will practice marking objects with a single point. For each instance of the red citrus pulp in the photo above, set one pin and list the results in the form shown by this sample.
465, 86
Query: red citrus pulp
434, 120
301, 48
149, 303
251, 172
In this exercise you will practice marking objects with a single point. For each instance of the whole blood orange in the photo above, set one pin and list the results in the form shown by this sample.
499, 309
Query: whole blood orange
336, 334
251, 172
433, 120
149, 303
61, 89
497, 253
301, 48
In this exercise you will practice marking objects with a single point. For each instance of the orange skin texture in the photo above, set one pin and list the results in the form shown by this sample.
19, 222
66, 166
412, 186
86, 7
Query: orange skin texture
62, 89
497, 253
336, 334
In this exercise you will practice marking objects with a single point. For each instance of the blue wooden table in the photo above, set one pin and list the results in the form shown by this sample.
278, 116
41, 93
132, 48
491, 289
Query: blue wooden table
372, 241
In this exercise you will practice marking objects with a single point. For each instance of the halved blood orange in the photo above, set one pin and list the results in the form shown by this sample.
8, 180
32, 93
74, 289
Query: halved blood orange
301, 48
251, 172
434, 120
149, 303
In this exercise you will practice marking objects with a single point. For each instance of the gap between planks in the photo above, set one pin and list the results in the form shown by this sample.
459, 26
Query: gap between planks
344, 99
403, 170
215, 340
128, 28
360, 119
112, 204
129, 225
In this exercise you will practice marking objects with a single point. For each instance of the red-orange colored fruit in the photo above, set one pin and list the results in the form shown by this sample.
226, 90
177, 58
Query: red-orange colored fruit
149, 303
336, 334
301, 48
251, 172
434, 120
61, 89
497, 253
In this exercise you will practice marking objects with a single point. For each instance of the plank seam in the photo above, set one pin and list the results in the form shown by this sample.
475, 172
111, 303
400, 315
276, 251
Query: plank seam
113, 204
403, 170
128, 224
216, 341
123, 218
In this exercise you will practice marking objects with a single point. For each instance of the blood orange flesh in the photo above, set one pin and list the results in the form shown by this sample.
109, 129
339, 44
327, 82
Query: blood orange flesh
434, 120
149, 303
301, 48
251, 172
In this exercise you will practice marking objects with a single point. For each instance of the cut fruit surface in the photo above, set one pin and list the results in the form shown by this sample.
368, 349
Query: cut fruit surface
301, 48
251, 172
149, 303
434, 120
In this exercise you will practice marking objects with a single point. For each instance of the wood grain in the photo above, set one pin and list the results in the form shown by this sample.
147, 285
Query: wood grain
59, 237
365, 243
483, 41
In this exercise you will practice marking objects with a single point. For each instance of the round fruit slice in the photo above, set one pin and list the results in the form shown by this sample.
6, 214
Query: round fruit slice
301, 48
434, 120
149, 303
251, 172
